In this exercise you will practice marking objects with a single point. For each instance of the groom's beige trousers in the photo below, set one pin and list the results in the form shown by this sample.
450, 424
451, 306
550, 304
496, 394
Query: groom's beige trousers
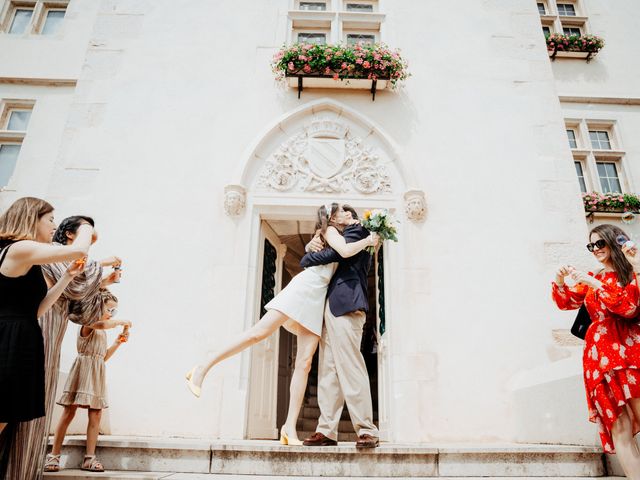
342, 375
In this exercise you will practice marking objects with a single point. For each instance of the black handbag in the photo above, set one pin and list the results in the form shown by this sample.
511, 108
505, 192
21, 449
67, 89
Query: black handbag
581, 323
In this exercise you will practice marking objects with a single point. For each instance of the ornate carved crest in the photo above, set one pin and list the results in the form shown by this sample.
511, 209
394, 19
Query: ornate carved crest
325, 158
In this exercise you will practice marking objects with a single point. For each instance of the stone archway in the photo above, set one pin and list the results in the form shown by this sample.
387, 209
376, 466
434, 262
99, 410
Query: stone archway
322, 151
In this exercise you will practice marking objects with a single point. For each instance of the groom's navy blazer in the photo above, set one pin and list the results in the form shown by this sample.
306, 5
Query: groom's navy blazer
348, 287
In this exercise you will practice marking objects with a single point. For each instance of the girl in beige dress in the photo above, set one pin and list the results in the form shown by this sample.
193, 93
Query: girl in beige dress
86, 384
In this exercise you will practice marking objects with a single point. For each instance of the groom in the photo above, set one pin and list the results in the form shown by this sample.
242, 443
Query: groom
342, 374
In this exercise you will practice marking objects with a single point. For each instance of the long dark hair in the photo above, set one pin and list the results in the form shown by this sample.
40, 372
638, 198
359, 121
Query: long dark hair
609, 233
70, 225
324, 217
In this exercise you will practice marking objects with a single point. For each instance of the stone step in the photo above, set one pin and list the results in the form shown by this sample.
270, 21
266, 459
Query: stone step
121, 475
136, 455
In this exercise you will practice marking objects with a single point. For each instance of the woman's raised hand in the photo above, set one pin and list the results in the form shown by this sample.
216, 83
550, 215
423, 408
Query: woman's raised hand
76, 268
374, 238
563, 271
111, 261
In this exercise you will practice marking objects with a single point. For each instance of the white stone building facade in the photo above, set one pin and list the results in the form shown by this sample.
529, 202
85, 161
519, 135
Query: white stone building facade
163, 121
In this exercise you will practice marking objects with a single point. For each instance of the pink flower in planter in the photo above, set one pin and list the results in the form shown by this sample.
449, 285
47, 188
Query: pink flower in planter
336, 76
306, 68
366, 64
343, 66
359, 61
327, 71
291, 66
328, 57
302, 57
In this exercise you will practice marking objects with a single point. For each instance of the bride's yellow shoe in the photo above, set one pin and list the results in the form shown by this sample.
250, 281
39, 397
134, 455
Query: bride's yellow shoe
285, 440
192, 386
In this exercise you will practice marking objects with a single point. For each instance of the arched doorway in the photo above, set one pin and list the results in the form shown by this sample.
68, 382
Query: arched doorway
321, 152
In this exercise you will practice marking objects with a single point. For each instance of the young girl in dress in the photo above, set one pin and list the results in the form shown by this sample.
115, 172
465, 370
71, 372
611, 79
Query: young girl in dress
611, 359
86, 384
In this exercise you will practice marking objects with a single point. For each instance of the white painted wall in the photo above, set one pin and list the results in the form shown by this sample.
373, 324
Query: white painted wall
169, 99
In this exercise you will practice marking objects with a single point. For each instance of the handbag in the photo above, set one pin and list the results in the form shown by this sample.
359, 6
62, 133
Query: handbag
581, 323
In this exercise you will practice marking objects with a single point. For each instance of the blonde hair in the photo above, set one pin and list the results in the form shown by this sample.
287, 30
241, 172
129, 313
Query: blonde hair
107, 296
20, 221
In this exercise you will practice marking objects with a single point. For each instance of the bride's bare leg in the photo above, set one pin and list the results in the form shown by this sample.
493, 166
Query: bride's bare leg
2, 425
262, 329
307, 344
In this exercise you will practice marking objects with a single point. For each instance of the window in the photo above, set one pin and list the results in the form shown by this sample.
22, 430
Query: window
365, 39
541, 9
318, 6
572, 31
18, 120
546, 31
359, 7
566, 9
609, 180
21, 20
8, 159
313, 38
572, 138
600, 140
52, 21
580, 173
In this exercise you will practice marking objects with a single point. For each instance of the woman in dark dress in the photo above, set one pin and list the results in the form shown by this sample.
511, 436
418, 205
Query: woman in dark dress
26, 229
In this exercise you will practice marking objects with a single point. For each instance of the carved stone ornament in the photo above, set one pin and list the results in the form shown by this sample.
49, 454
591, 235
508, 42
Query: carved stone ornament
325, 158
415, 205
234, 200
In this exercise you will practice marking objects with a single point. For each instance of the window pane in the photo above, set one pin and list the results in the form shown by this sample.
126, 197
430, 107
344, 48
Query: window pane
18, 120
608, 173
603, 137
541, 9
313, 6
359, 7
53, 21
572, 31
595, 142
21, 20
602, 171
8, 159
572, 139
354, 38
566, 9
581, 180
314, 38
546, 31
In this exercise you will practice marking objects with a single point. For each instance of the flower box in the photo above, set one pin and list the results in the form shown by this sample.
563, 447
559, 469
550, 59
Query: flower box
611, 202
367, 67
573, 46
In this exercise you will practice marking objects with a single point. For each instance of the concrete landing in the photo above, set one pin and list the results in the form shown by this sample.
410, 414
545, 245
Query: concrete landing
245, 457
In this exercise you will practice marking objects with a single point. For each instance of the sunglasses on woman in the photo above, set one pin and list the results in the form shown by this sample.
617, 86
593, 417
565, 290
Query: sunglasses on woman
599, 244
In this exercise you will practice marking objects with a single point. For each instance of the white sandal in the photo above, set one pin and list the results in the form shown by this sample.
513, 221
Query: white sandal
52, 463
94, 464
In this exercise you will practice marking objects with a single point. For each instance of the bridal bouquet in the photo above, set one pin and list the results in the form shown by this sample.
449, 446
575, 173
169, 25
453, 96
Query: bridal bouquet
380, 222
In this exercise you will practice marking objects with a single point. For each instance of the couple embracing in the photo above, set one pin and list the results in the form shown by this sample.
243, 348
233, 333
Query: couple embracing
324, 305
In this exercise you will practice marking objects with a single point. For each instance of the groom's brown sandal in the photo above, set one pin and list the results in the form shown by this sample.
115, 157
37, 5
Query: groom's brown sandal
319, 440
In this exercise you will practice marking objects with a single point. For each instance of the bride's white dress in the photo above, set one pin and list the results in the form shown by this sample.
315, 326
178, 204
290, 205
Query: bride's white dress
303, 299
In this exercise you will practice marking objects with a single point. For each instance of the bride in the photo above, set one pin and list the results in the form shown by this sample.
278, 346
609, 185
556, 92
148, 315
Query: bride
299, 307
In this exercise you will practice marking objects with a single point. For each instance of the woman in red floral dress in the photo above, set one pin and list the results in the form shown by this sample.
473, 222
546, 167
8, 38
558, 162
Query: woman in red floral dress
611, 358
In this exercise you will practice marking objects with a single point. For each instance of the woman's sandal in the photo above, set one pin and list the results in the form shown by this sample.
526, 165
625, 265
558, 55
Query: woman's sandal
93, 465
52, 463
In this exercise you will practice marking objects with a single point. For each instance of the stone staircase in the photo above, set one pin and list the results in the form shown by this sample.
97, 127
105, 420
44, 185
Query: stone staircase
174, 458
